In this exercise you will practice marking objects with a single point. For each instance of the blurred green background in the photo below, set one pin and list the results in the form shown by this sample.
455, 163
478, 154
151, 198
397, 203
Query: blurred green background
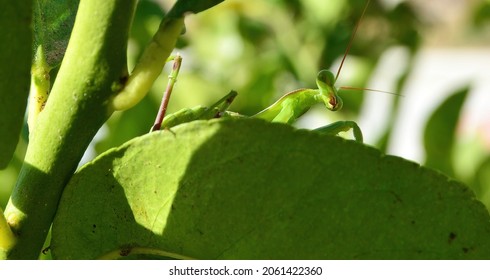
265, 48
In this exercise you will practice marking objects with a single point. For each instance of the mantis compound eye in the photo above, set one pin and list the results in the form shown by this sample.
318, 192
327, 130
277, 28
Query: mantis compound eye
335, 103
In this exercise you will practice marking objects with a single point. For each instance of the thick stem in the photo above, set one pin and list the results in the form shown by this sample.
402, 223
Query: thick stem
92, 71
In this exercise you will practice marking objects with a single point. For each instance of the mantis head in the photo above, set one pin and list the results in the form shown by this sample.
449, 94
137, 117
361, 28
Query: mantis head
325, 81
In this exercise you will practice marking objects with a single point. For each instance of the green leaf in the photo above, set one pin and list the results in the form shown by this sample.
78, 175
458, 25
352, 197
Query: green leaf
15, 55
53, 22
440, 131
248, 189
191, 6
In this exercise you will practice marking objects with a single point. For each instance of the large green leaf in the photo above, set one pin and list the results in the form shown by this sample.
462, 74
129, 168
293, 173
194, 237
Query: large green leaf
15, 57
247, 189
439, 133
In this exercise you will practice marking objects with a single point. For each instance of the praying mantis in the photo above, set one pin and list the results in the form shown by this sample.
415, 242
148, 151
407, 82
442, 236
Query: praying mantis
287, 109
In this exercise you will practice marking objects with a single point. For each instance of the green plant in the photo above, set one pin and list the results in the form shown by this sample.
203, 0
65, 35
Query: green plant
231, 188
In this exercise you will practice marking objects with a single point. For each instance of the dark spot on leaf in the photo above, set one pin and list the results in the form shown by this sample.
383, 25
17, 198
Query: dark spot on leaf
468, 250
397, 197
125, 251
451, 237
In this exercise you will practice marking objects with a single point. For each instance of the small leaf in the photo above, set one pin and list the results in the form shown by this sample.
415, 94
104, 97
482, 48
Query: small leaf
248, 189
191, 6
440, 132
15, 66
53, 22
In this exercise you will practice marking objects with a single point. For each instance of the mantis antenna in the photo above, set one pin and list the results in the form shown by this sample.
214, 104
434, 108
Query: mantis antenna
349, 45
351, 40
370, 89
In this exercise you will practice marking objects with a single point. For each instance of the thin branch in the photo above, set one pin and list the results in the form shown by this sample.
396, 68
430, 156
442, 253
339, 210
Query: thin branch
172, 79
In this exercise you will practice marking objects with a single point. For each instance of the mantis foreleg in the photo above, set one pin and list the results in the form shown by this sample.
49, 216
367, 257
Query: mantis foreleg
342, 126
289, 107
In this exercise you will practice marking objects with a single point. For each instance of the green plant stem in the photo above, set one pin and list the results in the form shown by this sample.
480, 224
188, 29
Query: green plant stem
7, 238
172, 79
150, 64
93, 70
